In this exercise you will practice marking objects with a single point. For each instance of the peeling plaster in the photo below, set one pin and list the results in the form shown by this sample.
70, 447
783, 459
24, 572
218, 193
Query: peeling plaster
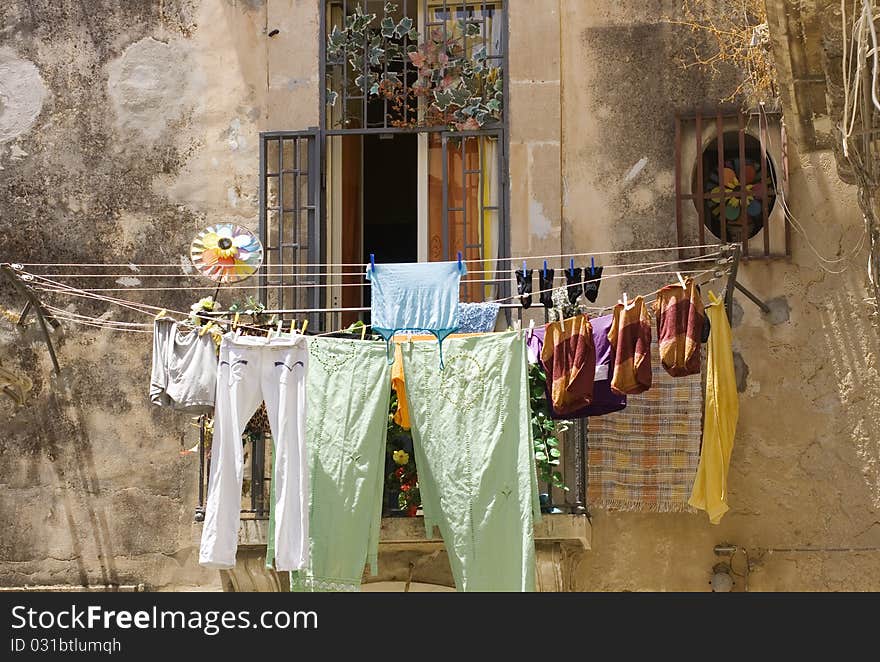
636, 169
16, 153
151, 80
233, 136
22, 93
539, 225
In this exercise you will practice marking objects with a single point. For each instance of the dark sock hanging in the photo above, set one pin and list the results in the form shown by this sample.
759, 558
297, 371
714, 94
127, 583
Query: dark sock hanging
545, 280
707, 328
524, 280
573, 281
591, 283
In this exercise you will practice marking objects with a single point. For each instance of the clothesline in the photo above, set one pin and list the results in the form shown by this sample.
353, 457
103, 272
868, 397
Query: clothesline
271, 274
52, 286
364, 264
288, 286
146, 308
647, 271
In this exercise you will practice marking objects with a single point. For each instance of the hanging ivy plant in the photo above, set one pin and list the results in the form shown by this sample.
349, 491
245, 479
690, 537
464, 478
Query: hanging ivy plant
545, 431
461, 91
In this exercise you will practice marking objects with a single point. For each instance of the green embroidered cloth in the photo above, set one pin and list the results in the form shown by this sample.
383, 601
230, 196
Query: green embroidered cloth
348, 389
472, 438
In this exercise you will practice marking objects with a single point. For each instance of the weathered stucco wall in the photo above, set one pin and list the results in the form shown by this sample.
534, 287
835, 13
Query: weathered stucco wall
124, 128
805, 466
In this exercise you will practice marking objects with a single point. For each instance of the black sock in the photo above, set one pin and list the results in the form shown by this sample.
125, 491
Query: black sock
573, 281
545, 280
524, 287
591, 283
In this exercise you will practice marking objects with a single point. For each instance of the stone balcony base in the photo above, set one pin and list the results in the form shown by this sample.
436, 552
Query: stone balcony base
408, 559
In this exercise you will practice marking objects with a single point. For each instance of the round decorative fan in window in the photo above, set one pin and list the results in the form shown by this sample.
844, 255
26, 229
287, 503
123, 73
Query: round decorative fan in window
226, 253
723, 193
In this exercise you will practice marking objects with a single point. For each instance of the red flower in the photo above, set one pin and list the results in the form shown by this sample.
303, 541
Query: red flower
404, 488
399, 473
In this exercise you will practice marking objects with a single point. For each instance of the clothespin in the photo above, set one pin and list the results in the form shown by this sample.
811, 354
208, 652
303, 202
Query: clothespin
592, 266
278, 328
545, 269
293, 327
235, 320
680, 278
571, 267
207, 327
162, 313
372, 262
625, 300
305, 325
531, 327
524, 268
363, 331
459, 260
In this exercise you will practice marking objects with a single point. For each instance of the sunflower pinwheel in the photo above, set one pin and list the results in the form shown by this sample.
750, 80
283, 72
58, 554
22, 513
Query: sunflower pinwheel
226, 253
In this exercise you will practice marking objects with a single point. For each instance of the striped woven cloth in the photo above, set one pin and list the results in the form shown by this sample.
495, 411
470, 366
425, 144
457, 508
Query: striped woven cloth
645, 457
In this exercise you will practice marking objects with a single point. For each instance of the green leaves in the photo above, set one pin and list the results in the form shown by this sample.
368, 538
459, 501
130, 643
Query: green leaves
463, 92
545, 431
404, 27
442, 99
388, 27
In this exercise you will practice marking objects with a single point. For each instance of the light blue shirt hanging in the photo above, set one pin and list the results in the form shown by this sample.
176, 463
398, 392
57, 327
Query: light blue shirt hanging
416, 296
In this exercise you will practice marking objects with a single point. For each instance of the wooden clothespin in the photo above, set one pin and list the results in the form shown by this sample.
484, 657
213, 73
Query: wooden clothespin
305, 326
235, 320
162, 313
363, 331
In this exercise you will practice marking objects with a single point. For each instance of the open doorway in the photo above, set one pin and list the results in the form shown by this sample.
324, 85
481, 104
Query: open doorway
379, 212
390, 207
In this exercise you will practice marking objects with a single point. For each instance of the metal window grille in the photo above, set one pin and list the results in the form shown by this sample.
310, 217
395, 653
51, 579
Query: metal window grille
290, 214
354, 109
735, 170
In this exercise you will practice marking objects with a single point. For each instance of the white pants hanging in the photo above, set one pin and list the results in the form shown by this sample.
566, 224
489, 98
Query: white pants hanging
254, 369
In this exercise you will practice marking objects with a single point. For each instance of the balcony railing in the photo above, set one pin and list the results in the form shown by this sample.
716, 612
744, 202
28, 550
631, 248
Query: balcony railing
257, 484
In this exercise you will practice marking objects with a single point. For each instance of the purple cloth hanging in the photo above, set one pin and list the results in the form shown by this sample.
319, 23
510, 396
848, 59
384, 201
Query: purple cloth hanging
605, 400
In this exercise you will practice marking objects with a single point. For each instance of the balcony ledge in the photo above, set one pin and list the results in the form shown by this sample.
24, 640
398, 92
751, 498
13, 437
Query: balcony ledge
406, 532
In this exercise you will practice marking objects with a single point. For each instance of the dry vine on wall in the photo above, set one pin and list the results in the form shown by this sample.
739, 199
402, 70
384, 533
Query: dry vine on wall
732, 34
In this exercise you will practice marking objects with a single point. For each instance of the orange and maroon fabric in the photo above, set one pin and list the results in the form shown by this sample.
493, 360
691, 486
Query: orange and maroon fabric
680, 318
569, 359
630, 338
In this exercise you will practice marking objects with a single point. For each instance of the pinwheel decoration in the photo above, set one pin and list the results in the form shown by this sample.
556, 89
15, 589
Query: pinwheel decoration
726, 197
226, 253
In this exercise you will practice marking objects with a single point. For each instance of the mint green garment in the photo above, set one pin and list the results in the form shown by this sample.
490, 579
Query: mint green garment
473, 445
348, 390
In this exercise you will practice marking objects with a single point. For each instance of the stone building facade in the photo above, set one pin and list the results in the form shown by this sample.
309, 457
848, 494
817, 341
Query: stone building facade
126, 128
